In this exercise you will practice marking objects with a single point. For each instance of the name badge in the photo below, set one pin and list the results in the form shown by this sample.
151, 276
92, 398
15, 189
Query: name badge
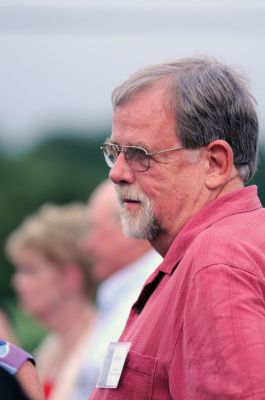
112, 366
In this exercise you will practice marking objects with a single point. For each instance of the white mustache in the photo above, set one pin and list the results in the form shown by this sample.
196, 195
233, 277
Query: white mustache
129, 193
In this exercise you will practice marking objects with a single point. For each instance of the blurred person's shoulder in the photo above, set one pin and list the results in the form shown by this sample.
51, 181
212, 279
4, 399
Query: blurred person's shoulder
12, 357
45, 352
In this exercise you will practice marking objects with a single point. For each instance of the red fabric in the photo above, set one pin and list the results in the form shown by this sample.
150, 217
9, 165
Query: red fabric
47, 388
198, 327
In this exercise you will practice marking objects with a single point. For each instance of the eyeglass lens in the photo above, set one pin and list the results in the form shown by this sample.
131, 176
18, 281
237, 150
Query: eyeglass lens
136, 157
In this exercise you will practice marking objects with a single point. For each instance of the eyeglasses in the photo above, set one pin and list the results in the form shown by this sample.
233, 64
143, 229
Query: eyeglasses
137, 158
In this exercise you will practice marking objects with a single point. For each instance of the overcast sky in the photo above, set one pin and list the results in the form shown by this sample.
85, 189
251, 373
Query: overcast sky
60, 60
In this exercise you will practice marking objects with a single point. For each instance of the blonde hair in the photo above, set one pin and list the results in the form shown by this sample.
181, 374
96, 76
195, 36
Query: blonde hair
57, 232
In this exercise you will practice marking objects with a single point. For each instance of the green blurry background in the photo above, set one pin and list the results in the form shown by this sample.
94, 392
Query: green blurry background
65, 166
62, 168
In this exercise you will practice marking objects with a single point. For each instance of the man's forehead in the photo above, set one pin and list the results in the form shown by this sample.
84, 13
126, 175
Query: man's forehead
155, 98
154, 89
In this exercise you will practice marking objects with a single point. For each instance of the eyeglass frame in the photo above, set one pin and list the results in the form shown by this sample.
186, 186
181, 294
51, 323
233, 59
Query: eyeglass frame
148, 155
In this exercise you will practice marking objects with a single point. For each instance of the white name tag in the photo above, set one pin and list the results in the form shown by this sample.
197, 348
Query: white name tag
112, 366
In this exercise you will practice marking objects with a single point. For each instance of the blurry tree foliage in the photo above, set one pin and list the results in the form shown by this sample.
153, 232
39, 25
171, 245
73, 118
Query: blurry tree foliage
60, 169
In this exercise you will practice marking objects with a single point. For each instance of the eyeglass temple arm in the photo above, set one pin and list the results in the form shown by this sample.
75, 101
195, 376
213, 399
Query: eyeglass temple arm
164, 151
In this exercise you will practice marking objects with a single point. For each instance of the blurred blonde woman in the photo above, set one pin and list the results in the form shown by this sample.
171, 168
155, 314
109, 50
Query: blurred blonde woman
53, 284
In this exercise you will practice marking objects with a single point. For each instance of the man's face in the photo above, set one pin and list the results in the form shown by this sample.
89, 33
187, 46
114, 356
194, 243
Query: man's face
104, 240
159, 201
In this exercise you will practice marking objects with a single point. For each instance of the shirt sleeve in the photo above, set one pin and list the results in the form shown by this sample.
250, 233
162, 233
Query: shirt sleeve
12, 357
224, 335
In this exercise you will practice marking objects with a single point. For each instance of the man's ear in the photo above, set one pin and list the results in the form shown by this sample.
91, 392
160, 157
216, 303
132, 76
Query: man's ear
219, 164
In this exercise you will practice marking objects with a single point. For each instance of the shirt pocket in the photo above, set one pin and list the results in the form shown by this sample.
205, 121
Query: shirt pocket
136, 382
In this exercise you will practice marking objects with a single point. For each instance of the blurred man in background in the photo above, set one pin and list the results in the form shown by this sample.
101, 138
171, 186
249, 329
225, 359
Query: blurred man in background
120, 265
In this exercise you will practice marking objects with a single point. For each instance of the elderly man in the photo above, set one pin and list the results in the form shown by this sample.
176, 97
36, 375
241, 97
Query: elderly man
183, 143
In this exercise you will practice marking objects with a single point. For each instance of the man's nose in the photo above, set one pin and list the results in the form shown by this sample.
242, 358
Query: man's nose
121, 171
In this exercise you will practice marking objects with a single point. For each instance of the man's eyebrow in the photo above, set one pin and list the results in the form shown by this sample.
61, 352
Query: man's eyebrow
109, 140
138, 144
143, 145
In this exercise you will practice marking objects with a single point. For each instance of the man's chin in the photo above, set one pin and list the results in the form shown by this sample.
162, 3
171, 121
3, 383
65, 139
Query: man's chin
134, 234
133, 231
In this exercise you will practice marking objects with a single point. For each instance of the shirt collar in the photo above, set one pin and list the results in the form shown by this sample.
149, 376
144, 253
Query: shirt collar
238, 201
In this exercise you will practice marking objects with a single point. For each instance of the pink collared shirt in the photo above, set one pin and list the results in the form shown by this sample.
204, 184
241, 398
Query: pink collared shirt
198, 326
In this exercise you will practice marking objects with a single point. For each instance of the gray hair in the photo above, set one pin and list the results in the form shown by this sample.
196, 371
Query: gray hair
210, 101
